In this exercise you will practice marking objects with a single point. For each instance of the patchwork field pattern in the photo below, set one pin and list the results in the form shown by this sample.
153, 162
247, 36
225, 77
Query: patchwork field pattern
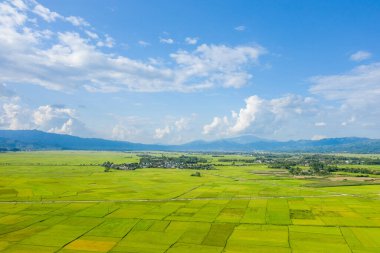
65, 202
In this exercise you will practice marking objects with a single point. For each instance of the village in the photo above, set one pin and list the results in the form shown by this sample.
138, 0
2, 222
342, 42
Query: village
148, 161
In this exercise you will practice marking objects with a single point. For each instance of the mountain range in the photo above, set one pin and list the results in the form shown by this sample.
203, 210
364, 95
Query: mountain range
15, 140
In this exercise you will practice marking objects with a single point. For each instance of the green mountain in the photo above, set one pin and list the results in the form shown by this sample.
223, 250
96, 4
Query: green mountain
14, 140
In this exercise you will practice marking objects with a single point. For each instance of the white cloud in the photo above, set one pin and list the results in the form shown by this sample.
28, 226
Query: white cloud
222, 65
353, 105
182, 123
13, 116
11, 17
169, 129
129, 128
19, 4
143, 43
67, 61
44, 114
66, 128
247, 115
240, 28
45, 13
166, 40
298, 117
191, 41
77, 21
92, 35
175, 128
121, 132
57, 119
359, 87
162, 132
268, 118
108, 42
16, 115
216, 123
290, 106
360, 56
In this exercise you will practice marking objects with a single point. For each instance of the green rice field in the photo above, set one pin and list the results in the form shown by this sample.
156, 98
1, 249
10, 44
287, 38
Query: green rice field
65, 202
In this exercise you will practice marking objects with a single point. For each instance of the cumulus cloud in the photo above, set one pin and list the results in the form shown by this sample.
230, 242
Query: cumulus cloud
174, 129
360, 56
45, 13
57, 119
265, 117
66, 128
298, 117
191, 41
48, 115
224, 66
70, 60
166, 40
246, 115
77, 21
182, 123
171, 130
215, 124
19, 4
16, 115
130, 128
162, 132
13, 116
92, 35
107, 42
122, 132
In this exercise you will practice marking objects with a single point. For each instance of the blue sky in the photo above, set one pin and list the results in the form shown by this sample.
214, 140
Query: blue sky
176, 71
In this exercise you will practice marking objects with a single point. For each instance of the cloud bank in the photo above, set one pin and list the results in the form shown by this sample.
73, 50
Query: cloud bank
73, 59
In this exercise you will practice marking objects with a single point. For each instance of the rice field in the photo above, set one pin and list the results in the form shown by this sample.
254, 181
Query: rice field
65, 202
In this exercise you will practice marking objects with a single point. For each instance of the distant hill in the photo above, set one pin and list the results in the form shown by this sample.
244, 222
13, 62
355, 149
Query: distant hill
12, 140
348, 144
38, 140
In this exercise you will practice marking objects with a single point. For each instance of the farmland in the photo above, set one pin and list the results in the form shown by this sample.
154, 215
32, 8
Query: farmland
66, 202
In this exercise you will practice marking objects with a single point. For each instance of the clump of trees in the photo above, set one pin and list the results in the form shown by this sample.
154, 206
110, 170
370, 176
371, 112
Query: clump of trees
307, 159
196, 174
124, 166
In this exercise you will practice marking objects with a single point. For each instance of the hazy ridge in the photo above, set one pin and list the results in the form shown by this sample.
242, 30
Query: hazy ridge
38, 140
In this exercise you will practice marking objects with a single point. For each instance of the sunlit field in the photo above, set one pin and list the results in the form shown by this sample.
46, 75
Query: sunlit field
66, 202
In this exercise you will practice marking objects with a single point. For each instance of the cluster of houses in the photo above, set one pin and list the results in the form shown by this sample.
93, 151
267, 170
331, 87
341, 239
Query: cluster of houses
181, 162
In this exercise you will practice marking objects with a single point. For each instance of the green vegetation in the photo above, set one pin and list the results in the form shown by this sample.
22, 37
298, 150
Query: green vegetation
196, 174
64, 202
305, 164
